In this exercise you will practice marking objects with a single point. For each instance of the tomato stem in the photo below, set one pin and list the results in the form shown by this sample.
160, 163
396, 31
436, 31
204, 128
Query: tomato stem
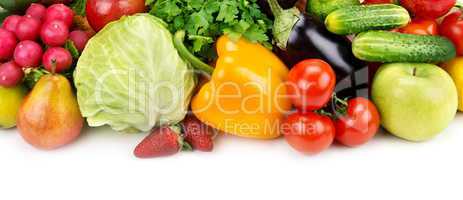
340, 106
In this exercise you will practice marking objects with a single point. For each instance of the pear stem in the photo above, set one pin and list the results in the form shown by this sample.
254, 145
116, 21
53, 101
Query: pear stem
53, 66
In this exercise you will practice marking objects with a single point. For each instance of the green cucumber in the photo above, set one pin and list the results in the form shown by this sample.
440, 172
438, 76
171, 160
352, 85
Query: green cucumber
385, 46
319, 9
356, 19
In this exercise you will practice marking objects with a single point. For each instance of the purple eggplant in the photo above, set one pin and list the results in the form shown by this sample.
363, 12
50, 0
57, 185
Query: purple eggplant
298, 36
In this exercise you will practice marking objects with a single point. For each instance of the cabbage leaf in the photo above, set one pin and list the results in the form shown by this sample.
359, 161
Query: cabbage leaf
131, 77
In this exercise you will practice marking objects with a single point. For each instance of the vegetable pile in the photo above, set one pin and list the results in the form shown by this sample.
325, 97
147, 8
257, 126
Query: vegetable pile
327, 71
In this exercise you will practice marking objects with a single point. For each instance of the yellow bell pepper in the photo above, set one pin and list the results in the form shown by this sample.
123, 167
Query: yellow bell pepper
246, 95
455, 69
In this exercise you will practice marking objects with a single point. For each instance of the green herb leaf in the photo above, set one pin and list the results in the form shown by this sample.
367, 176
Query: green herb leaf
33, 75
69, 45
79, 7
206, 20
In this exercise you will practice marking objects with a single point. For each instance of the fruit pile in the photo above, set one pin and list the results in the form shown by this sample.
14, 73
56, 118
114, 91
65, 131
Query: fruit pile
38, 39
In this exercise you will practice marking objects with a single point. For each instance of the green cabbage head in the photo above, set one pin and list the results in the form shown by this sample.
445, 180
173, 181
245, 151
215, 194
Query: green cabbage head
131, 77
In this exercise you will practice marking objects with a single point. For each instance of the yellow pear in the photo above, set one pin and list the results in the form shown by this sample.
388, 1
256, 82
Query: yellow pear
49, 116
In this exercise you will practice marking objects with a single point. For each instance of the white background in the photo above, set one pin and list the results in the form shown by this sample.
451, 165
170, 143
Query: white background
100, 165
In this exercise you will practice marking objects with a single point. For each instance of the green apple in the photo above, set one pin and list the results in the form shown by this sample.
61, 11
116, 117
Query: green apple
416, 101
10, 101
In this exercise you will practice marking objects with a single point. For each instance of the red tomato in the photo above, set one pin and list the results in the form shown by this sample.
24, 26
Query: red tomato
379, 1
308, 133
310, 84
101, 12
452, 28
359, 124
421, 27
428, 9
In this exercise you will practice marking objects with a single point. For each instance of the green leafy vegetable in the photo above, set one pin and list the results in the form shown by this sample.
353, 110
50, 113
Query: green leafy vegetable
69, 45
33, 75
131, 77
205, 20
79, 7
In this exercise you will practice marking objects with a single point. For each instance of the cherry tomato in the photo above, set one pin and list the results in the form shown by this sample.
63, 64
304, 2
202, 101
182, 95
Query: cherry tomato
428, 9
379, 1
308, 133
359, 124
452, 28
421, 27
101, 12
310, 84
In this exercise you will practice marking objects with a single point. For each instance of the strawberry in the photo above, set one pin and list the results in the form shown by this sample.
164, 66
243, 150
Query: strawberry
198, 134
164, 141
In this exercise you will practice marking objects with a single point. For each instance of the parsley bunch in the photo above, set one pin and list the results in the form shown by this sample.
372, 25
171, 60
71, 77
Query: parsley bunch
205, 20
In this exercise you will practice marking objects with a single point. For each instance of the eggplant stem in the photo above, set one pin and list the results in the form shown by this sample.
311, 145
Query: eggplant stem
179, 37
275, 7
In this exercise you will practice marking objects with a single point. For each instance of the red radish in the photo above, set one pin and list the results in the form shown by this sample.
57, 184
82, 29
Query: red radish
60, 12
58, 58
10, 74
7, 44
11, 22
28, 28
36, 11
54, 33
28, 54
50, 2
379, 1
80, 39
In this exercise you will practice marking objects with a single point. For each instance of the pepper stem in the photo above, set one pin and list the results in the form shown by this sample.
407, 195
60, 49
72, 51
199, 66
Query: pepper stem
284, 22
179, 37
